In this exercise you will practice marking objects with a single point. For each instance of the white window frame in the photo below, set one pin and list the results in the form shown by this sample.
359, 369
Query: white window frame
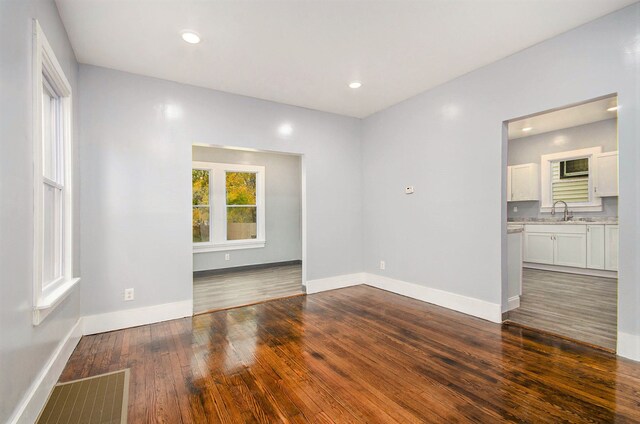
218, 208
593, 205
47, 68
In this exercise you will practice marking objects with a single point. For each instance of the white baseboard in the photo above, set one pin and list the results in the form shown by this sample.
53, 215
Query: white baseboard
337, 282
32, 403
467, 305
628, 346
572, 270
110, 321
512, 303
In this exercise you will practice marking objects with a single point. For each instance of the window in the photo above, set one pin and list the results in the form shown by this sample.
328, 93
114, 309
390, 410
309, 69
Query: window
227, 206
53, 270
566, 176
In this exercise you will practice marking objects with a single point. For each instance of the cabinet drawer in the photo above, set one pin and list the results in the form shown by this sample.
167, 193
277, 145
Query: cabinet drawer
556, 228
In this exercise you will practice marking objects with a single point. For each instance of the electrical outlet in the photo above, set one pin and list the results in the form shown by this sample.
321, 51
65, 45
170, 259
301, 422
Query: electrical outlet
227, 256
128, 294
383, 265
515, 209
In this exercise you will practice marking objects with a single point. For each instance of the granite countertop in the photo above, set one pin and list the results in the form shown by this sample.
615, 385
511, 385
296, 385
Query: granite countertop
573, 221
515, 230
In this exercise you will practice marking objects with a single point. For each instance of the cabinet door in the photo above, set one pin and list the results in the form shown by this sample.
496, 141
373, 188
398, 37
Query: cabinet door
538, 248
524, 182
611, 247
606, 175
509, 189
570, 250
595, 246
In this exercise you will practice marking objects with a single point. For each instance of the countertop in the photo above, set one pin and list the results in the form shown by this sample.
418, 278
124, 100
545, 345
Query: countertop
574, 221
515, 230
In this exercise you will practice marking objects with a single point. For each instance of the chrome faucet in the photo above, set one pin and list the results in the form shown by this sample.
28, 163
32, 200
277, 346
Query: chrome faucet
566, 216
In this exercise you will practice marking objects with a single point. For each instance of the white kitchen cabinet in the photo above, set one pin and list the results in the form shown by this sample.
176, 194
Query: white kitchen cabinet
606, 174
523, 182
538, 248
570, 250
595, 246
554, 244
611, 236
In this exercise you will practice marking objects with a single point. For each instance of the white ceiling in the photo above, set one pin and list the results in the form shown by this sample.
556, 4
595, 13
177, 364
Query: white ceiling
569, 117
305, 52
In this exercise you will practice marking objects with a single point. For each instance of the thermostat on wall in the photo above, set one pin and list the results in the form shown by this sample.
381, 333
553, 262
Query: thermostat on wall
408, 190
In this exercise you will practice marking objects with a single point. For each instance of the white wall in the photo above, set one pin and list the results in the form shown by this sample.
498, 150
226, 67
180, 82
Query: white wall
529, 149
136, 165
25, 349
283, 209
448, 143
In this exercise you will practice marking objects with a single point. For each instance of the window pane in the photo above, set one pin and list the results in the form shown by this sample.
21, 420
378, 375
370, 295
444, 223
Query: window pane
241, 188
570, 190
200, 186
241, 223
201, 228
52, 234
48, 136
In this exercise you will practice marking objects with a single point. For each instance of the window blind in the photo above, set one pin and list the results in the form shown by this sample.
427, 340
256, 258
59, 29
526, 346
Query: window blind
571, 190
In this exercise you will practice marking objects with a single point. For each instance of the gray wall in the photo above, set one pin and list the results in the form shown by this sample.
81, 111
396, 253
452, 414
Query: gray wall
283, 209
136, 169
25, 349
448, 143
529, 149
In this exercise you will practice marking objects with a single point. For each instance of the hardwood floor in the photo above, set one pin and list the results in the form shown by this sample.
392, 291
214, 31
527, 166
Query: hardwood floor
579, 307
245, 287
362, 355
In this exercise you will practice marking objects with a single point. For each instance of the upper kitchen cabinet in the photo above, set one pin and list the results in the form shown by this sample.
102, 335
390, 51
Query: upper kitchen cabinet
606, 174
523, 182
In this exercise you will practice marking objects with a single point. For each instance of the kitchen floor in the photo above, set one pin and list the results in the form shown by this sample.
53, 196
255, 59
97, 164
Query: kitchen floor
230, 289
579, 307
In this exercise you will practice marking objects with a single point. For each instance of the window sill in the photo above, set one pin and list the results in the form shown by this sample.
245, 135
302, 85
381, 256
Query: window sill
47, 304
243, 244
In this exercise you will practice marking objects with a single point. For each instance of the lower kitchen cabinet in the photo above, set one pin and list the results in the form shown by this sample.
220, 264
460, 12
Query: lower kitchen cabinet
570, 250
595, 246
611, 236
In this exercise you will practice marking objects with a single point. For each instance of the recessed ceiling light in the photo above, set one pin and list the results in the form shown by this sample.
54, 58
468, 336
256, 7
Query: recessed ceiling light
527, 129
190, 37
355, 84
612, 109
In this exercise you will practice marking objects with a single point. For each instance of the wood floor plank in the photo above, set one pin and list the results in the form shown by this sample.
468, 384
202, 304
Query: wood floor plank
358, 354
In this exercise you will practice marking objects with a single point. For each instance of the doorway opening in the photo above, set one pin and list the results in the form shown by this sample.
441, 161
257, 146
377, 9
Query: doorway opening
247, 227
562, 222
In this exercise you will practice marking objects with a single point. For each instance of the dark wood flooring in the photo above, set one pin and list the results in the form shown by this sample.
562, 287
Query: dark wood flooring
580, 307
362, 355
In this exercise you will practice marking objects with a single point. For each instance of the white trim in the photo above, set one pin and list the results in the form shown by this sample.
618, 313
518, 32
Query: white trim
467, 305
628, 346
230, 245
34, 400
116, 320
48, 303
512, 303
571, 270
45, 63
332, 283
546, 201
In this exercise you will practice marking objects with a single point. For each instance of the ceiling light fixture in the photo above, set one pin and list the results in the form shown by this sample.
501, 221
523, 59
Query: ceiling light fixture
527, 129
190, 37
355, 84
612, 109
